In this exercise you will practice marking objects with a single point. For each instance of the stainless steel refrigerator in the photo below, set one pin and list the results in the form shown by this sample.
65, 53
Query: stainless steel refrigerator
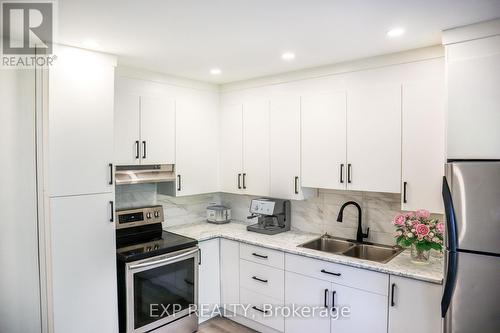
471, 295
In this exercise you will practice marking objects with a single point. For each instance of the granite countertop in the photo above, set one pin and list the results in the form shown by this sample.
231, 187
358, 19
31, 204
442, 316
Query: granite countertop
288, 241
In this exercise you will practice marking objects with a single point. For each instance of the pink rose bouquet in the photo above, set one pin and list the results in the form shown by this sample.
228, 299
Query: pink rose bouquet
420, 229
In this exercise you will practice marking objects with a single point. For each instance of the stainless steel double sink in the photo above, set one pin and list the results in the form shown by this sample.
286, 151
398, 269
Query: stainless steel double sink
368, 251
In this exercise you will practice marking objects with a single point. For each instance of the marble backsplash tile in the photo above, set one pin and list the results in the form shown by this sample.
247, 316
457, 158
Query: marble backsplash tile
316, 215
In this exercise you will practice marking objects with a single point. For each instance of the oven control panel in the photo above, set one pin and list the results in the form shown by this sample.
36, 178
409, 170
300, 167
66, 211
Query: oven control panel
139, 216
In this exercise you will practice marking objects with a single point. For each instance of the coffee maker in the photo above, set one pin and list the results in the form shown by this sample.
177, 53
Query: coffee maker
273, 216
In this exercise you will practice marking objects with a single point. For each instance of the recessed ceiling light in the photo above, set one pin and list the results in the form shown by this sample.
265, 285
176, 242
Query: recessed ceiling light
90, 44
288, 56
396, 32
215, 71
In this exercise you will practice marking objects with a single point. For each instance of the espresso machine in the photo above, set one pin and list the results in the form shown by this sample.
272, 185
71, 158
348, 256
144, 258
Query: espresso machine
273, 216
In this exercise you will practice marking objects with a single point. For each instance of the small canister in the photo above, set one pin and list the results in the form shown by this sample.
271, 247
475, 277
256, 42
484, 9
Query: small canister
218, 214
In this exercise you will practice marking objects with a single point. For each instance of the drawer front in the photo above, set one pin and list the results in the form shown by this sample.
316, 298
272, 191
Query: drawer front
256, 303
262, 255
341, 274
262, 279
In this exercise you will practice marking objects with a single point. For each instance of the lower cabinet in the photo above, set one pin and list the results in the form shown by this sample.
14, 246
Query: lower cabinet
229, 274
412, 300
208, 279
83, 264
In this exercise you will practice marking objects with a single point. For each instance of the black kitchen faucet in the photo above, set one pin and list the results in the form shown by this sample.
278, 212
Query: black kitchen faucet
359, 233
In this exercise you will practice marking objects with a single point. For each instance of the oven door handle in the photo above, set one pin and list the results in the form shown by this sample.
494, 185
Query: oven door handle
164, 260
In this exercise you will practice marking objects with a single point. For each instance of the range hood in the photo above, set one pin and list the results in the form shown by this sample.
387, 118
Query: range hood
141, 174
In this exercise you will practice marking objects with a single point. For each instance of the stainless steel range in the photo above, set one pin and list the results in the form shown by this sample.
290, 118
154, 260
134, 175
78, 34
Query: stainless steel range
157, 274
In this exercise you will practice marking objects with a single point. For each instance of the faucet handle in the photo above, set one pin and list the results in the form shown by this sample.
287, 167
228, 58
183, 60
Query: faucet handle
367, 232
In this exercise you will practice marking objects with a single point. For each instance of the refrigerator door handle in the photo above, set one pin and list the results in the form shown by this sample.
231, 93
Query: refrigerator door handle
452, 259
451, 223
451, 279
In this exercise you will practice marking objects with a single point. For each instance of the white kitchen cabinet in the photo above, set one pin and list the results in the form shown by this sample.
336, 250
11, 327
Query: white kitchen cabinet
410, 299
126, 129
231, 148
229, 273
255, 177
374, 138
305, 291
157, 130
473, 102
209, 278
423, 144
83, 264
144, 129
367, 311
196, 157
80, 127
324, 140
285, 149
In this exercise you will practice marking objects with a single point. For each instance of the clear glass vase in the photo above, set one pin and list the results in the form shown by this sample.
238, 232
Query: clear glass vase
419, 256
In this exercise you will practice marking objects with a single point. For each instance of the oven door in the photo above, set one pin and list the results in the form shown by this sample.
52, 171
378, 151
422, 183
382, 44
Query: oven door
162, 289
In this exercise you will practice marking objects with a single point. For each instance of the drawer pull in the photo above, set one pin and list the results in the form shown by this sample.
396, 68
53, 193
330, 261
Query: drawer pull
331, 273
259, 256
260, 310
257, 279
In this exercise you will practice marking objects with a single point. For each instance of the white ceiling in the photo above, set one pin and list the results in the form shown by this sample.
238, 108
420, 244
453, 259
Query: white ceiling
245, 38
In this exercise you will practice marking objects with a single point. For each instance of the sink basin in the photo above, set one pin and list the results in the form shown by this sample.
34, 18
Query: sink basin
367, 251
328, 244
378, 253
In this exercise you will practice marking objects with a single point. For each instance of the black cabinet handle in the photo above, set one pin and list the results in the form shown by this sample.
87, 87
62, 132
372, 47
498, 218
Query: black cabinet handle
404, 192
239, 181
342, 173
259, 255
333, 300
179, 185
112, 211
199, 256
326, 298
393, 286
349, 173
260, 310
257, 279
296, 185
111, 174
144, 149
331, 273
137, 152
244, 181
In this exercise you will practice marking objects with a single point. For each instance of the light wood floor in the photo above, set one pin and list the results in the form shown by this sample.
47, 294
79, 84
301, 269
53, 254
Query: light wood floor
223, 325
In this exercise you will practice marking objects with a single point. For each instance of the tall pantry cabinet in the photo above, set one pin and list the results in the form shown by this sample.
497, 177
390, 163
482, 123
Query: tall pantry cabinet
81, 191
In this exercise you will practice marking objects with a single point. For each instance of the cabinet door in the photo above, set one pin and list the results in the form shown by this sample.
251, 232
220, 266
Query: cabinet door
367, 311
83, 264
423, 146
157, 130
303, 291
231, 148
209, 279
256, 147
196, 147
126, 129
285, 148
409, 298
230, 272
80, 134
324, 140
374, 138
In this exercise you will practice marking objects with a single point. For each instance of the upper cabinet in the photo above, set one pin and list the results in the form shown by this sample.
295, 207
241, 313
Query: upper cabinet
352, 141
324, 140
374, 138
144, 130
423, 146
285, 149
196, 146
80, 123
244, 156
